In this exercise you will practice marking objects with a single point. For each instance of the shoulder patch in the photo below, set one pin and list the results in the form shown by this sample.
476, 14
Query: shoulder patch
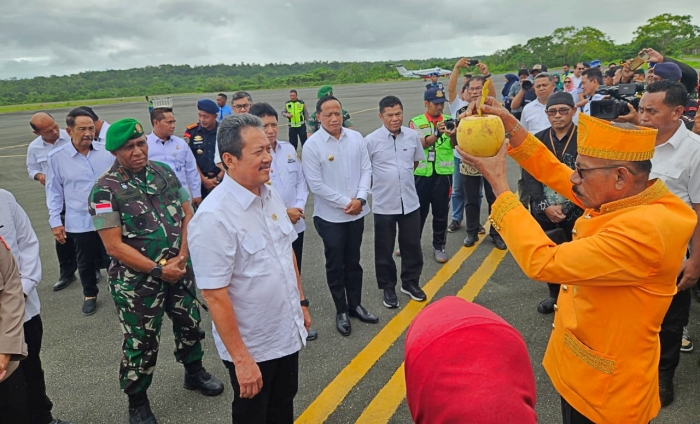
193, 126
4, 243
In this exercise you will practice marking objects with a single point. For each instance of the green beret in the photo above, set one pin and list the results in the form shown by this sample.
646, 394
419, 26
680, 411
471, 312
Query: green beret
121, 131
324, 91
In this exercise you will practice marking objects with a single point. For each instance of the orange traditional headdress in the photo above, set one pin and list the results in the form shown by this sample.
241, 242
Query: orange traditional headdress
600, 139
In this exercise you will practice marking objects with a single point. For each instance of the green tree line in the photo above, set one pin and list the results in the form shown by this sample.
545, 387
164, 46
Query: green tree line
673, 35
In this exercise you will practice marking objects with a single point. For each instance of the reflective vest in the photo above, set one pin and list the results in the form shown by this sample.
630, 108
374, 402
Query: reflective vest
444, 158
296, 110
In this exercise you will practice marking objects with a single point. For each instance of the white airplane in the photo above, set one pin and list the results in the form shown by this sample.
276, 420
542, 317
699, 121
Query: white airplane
422, 73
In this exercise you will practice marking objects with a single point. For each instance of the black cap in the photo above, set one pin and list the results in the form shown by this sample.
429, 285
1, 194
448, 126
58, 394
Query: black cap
561, 98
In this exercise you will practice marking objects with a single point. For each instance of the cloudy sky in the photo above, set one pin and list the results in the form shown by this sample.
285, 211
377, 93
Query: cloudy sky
58, 37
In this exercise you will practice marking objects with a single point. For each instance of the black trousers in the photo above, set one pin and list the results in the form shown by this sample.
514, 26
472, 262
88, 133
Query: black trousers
13, 399
90, 252
39, 404
434, 191
571, 416
472, 204
548, 225
297, 135
67, 262
341, 246
298, 248
671, 335
275, 402
409, 244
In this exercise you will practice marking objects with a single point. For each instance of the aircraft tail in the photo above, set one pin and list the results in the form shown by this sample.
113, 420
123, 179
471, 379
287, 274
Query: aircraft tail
403, 71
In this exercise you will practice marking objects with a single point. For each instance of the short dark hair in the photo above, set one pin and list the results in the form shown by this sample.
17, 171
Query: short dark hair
78, 111
522, 72
676, 94
476, 78
158, 113
238, 95
92, 113
263, 109
389, 101
567, 65
222, 95
610, 73
228, 136
642, 166
325, 99
594, 74
293, 91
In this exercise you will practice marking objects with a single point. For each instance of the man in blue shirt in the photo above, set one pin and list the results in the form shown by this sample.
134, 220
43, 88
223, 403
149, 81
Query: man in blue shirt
434, 83
224, 109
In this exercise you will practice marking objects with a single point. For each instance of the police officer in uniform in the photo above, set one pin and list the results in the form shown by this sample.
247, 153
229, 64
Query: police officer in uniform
295, 110
201, 137
434, 175
141, 212
313, 124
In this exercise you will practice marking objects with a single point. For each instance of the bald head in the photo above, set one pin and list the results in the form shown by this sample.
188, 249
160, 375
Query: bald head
45, 126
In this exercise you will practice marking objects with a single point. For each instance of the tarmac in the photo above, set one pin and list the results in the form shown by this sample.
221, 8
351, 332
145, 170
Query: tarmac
342, 379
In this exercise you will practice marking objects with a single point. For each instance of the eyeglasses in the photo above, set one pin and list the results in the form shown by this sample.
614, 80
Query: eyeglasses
568, 82
580, 69
241, 107
582, 170
562, 111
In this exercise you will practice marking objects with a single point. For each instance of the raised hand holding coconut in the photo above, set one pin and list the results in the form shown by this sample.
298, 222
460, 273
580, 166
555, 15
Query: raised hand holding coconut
491, 107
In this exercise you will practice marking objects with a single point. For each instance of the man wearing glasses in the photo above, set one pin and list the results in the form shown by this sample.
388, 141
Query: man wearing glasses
555, 214
241, 101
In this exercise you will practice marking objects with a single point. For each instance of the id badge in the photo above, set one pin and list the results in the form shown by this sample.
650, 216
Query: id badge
431, 155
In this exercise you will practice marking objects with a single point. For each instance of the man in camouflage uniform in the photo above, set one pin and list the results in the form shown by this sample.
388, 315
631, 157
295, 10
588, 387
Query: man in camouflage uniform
141, 212
313, 124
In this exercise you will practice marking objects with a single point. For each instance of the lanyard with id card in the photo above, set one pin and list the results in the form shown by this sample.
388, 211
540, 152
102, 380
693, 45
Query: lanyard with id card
431, 154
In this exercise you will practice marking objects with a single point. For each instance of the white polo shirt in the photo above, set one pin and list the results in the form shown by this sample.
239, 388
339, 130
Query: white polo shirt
337, 170
534, 117
677, 164
287, 178
243, 242
393, 183
38, 153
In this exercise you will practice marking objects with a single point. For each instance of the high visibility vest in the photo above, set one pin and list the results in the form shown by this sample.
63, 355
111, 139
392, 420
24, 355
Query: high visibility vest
444, 158
296, 110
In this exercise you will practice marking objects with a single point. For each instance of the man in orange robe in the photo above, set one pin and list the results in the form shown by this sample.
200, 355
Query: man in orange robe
618, 275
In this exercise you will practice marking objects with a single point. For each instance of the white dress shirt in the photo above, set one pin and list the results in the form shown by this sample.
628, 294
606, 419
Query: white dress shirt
337, 171
177, 154
102, 136
38, 153
17, 231
393, 184
287, 178
534, 117
70, 179
677, 163
243, 242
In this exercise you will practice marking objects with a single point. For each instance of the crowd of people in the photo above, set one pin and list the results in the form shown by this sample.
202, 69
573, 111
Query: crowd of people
604, 214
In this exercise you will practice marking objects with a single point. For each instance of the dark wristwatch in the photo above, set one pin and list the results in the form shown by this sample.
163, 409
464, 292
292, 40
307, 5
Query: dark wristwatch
304, 302
157, 271
363, 202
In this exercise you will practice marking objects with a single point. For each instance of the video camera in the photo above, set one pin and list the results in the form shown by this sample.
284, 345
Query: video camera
620, 96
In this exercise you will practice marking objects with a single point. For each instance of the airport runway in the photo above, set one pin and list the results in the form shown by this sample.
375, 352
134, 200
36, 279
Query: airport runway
342, 379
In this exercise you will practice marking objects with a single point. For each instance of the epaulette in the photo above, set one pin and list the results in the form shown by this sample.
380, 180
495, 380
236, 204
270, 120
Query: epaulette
192, 126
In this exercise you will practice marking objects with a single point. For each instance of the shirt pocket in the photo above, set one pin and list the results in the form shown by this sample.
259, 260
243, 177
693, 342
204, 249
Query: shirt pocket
138, 220
257, 260
42, 162
585, 371
668, 172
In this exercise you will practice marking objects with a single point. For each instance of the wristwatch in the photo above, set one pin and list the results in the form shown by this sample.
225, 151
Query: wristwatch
363, 202
304, 302
157, 271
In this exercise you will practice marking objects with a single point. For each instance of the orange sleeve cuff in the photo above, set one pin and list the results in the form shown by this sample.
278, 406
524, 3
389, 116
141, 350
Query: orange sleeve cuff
503, 204
525, 150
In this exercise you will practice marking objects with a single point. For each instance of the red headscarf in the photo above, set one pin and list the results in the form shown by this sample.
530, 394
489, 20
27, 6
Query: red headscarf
465, 364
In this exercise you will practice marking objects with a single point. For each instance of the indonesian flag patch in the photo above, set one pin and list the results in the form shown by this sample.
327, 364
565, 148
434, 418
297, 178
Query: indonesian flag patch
103, 208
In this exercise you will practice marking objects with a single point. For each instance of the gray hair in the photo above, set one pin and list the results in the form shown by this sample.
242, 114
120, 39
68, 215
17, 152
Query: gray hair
545, 75
228, 136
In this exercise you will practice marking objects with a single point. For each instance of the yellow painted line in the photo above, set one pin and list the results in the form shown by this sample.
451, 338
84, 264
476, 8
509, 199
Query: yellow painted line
384, 405
329, 399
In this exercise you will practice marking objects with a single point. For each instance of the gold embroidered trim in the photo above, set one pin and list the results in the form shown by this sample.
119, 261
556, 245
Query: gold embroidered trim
615, 154
601, 364
526, 149
655, 191
504, 204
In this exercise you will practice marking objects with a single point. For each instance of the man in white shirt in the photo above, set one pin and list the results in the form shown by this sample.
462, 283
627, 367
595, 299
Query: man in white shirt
590, 82
101, 126
287, 178
394, 152
49, 137
337, 168
165, 147
16, 230
240, 241
676, 162
534, 118
241, 101
73, 170
577, 74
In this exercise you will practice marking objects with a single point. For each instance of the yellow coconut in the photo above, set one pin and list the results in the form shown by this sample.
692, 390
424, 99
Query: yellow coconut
481, 136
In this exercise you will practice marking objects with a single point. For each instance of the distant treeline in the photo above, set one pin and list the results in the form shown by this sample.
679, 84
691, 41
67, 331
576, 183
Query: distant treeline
670, 34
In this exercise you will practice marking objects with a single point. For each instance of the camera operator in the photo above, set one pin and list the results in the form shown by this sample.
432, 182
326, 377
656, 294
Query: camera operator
591, 80
689, 77
516, 89
528, 94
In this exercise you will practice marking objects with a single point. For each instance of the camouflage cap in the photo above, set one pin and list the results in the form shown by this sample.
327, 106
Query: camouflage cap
121, 131
324, 91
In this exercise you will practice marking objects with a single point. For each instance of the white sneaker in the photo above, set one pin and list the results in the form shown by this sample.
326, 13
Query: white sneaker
686, 343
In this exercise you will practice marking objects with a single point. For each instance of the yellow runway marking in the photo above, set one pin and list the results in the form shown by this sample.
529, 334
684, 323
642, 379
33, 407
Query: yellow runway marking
329, 399
384, 405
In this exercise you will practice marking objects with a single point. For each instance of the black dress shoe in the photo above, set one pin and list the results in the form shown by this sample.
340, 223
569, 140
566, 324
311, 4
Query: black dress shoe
471, 240
89, 306
206, 383
311, 334
142, 415
547, 306
665, 390
63, 282
390, 299
498, 241
342, 323
363, 315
